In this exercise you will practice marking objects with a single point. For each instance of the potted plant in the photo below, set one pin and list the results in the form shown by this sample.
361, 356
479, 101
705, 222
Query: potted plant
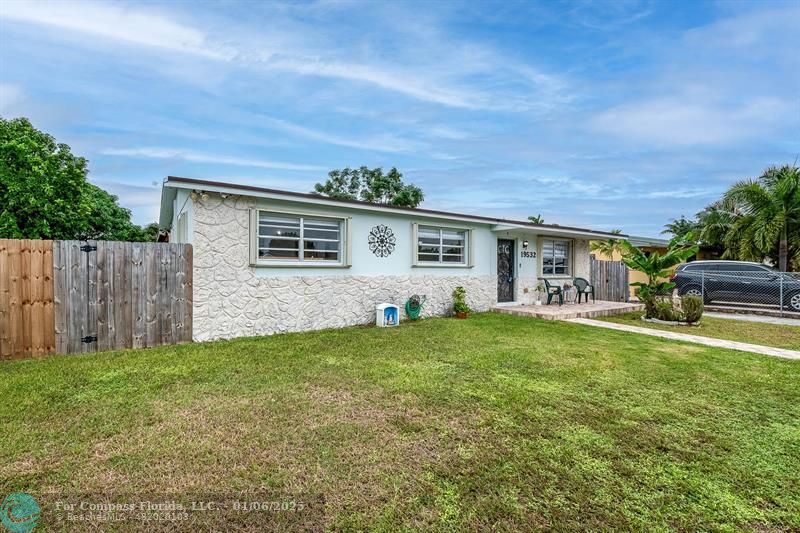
460, 307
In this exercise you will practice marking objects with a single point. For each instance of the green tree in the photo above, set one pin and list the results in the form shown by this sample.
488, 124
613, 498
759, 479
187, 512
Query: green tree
680, 227
536, 219
44, 193
370, 185
150, 232
657, 267
108, 221
770, 221
607, 247
714, 223
41, 185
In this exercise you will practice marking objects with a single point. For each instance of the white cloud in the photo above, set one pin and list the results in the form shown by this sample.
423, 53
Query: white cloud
198, 157
111, 21
380, 143
429, 76
385, 78
683, 193
680, 121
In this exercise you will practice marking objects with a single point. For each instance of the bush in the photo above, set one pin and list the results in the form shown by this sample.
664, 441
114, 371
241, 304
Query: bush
666, 311
460, 300
692, 307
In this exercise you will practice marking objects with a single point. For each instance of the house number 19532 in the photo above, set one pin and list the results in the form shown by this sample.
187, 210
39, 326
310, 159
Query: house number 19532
526, 253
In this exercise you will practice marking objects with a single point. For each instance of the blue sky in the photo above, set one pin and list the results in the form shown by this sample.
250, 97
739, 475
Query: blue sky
616, 114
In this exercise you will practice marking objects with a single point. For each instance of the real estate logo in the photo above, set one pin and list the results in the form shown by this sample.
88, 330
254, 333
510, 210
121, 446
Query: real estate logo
20, 512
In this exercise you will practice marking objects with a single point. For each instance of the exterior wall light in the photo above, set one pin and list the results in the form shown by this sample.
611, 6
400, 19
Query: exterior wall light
525, 244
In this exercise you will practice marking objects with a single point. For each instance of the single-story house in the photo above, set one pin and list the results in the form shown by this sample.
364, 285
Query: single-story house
268, 261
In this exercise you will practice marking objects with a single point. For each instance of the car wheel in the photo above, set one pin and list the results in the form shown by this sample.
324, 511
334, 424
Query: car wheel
695, 291
792, 302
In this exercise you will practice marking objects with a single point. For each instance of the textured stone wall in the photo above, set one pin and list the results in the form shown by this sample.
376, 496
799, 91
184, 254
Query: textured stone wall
230, 300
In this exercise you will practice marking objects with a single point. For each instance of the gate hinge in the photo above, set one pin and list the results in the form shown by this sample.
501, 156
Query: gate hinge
88, 248
89, 338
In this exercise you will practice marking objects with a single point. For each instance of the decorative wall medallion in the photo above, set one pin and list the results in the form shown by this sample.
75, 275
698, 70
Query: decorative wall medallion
381, 241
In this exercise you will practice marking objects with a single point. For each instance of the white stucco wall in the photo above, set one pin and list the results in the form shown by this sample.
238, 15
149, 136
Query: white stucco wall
528, 269
234, 299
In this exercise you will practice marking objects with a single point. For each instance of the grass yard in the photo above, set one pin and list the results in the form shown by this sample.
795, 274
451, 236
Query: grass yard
496, 421
776, 335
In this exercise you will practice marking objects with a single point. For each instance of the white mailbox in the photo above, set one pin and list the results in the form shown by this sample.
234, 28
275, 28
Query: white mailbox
387, 315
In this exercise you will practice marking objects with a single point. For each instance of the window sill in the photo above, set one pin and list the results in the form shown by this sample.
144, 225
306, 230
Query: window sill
298, 265
439, 265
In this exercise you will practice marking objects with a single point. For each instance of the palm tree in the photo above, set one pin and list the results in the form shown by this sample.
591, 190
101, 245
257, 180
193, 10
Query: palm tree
536, 219
680, 227
657, 267
714, 223
771, 214
609, 246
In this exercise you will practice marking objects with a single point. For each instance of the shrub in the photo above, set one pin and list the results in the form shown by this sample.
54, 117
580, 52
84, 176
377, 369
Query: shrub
692, 307
666, 311
460, 300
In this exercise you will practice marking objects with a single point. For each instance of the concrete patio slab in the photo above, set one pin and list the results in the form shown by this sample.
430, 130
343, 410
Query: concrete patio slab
569, 311
685, 337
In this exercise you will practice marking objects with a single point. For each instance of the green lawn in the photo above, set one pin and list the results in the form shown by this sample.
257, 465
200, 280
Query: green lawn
779, 336
496, 421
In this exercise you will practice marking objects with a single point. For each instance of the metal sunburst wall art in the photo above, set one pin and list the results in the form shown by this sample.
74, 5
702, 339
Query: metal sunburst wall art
381, 241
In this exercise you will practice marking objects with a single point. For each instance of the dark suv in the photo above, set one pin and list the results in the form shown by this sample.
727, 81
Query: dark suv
738, 282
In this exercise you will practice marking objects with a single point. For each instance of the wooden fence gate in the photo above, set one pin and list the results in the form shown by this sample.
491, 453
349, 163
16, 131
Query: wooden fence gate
610, 280
86, 296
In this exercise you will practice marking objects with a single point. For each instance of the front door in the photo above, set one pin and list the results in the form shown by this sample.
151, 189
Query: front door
505, 270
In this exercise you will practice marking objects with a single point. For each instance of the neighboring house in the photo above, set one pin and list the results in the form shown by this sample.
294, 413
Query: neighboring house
649, 245
268, 261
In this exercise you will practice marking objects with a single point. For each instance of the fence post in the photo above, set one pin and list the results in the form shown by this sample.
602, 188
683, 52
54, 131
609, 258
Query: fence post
780, 298
703, 285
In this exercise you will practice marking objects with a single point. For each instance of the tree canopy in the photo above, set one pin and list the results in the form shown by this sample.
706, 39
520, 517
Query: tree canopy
755, 220
370, 185
770, 207
608, 247
680, 227
45, 194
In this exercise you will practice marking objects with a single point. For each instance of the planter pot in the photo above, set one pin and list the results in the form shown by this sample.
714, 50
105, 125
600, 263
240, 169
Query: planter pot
462, 314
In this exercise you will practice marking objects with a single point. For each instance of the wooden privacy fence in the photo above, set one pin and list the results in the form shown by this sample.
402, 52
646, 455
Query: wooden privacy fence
610, 280
87, 296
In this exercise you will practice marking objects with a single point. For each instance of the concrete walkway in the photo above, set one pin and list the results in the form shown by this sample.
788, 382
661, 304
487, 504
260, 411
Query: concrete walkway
708, 341
757, 318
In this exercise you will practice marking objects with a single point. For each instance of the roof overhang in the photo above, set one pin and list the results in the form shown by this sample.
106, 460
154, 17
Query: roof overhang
172, 183
168, 194
651, 242
555, 231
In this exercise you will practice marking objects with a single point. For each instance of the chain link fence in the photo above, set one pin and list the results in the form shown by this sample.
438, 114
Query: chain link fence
757, 289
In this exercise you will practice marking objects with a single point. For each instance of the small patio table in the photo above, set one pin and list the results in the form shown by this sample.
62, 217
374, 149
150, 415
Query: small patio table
570, 295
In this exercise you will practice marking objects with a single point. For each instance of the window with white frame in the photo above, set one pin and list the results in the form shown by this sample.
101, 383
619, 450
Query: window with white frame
283, 238
555, 257
444, 246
